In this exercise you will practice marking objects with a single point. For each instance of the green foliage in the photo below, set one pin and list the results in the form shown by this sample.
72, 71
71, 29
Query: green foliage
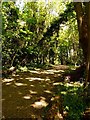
39, 34
75, 106
72, 99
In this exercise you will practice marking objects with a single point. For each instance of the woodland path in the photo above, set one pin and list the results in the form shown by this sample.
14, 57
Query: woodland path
26, 94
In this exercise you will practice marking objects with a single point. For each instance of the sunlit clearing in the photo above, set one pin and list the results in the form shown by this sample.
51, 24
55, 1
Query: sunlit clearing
28, 78
8, 83
74, 84
40, 104
33, 71
42, 98
55, 71
7, 80
58, 83
13, 74
24, 69
32, 92
31, 79
51, 71
16, 75
27, 97
63, 92
58, 74
21, 78
47, 79
46, 72
68, 85
59, 116
20, 84
78, 84
37, 69
32, 85
47, 91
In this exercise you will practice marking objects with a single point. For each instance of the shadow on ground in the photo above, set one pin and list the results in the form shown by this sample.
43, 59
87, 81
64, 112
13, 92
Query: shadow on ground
26, 94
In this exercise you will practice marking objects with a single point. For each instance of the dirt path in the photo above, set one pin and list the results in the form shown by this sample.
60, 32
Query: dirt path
26, 94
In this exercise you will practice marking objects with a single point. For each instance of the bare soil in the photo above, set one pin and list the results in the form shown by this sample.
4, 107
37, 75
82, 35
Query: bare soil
26, 94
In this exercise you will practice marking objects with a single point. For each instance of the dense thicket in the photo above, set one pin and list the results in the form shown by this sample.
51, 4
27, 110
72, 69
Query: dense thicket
40, 34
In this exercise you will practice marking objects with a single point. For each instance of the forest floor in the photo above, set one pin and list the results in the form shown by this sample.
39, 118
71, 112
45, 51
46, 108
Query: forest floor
26, 95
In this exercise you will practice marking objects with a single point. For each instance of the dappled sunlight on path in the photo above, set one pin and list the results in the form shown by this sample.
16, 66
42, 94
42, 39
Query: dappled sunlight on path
26, 94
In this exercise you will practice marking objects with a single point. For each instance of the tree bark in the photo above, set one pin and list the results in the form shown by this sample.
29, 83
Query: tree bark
82, 27
88, 50
83, 21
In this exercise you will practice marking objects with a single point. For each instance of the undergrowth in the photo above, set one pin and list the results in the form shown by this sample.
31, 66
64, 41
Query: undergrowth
73, 102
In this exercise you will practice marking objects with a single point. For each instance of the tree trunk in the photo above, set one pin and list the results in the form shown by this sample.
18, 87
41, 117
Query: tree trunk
88, 50
83, 21
82, 27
